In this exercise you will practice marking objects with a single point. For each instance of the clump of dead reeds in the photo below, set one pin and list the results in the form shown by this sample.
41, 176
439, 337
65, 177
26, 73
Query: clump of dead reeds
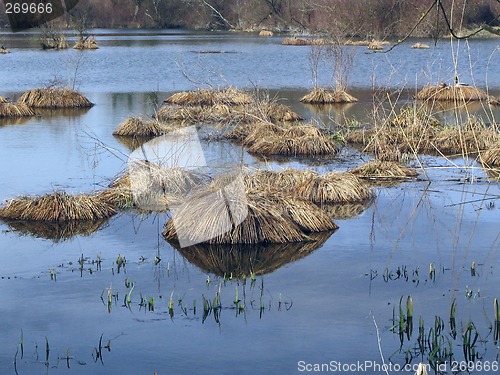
419, 45
322, 96
57, 207
54, 98
385, 170
303, 140
150, 186
413, 116
228, 96
266, 219
55, 231
140, 127
296, 42
334, 188
88, 42
3, 100
493, 100
376, 45
4, 51
491, 157
14, 110
456, 93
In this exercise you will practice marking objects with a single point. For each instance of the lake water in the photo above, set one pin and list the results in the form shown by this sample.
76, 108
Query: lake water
332, 306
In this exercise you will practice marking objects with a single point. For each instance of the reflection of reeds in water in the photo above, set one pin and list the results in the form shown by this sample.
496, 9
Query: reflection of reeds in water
133, 143
54, 98
346, 210
57, 231
241, 261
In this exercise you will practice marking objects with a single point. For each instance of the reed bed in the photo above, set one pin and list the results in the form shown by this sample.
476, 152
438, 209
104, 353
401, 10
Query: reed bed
242, 261
303, 42
86, 43
385, 170
54, 98
322, 96
228, 96
457, 93
493, 100
55, 231
57, 207
300, 140
376, 45
265, 219
333, 188
54, 42
8, 110
223, 114
3, 100
141, 127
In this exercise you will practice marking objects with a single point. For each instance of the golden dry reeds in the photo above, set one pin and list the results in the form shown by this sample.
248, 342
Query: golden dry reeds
55, 231
57, 207
3, 100
54, 41
242, 261
323, 96
375, 45
493, 100
140, 127
300, 140
4, 51
457, 93
8, 110
334, 187
86, 43
420, 45
385, 170
228, 96
296, 42
491, 157
266, 33
151, 187
54, 98
265, 219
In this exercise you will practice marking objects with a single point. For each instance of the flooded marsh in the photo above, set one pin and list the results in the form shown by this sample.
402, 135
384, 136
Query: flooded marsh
411, 274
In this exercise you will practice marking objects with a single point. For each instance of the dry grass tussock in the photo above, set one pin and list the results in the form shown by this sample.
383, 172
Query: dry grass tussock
3, 100
266, 219
15, 110
457, 93
241, 261
322, 96
141, 127
54, 98
57, 207
491, 157
303, 42
228, 96
4, 51
151, 187
333, 188
386, 170
299, 140
86, 43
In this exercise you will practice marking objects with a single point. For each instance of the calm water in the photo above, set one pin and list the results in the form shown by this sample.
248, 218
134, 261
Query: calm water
318, 305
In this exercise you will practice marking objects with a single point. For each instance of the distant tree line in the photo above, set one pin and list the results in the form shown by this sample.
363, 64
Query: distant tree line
354, 18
